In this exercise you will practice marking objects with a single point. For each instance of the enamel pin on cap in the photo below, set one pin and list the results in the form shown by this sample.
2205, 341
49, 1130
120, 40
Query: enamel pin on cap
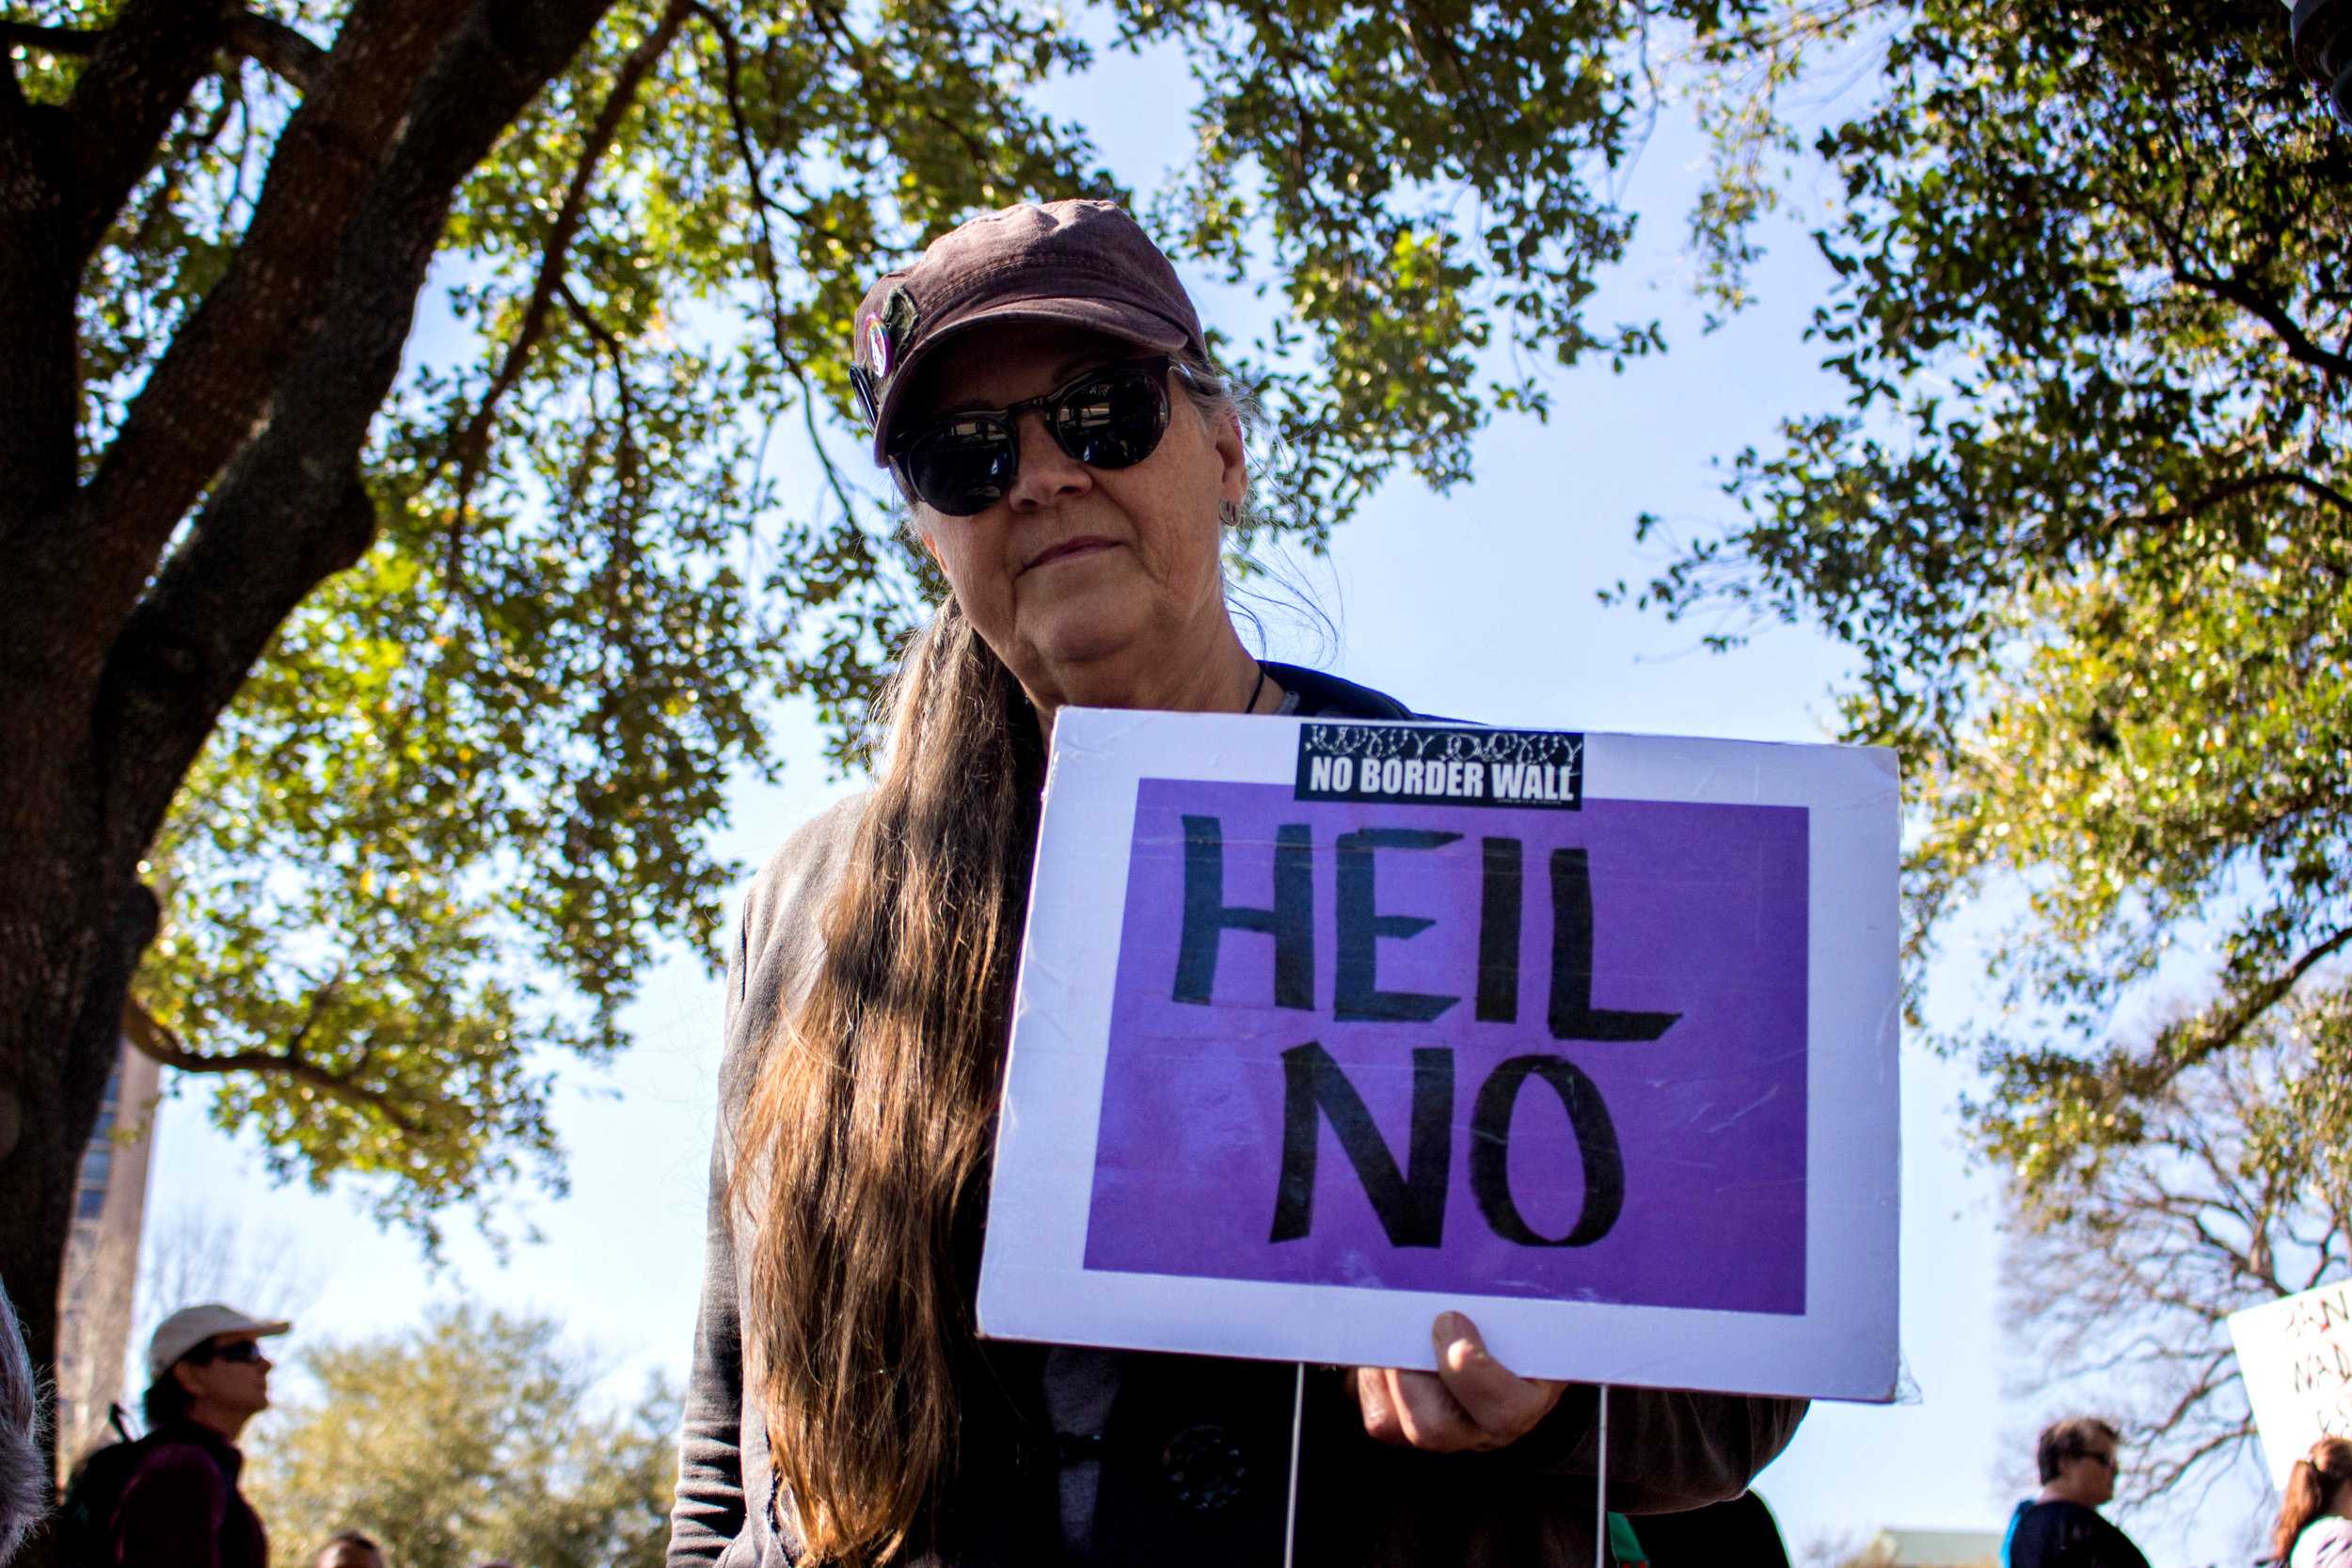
883, 333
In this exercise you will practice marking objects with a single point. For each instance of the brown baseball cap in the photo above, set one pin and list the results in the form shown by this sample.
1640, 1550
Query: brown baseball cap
1073, 263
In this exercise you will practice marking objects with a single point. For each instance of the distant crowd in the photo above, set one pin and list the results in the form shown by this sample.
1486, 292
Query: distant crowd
2061, 1527
170, 1497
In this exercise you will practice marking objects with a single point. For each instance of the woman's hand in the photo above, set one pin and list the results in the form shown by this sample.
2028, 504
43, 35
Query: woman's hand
1471, 1403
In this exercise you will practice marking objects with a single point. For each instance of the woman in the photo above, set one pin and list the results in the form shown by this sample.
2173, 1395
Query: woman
2315, 1523
1040, 388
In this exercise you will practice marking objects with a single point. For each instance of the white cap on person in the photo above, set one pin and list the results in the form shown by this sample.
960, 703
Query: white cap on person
191, 1325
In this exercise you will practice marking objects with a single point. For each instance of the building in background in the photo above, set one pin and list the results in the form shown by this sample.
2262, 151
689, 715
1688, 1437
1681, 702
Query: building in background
101, 1259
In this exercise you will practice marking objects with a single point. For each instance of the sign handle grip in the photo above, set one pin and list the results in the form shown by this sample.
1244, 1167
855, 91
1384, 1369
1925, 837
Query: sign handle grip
1290, 1511
1600, 1487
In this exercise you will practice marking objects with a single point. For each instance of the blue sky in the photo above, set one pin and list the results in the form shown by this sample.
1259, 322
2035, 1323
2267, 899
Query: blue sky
1483, 604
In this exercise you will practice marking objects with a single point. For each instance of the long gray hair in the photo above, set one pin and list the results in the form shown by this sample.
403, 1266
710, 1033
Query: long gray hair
865, 1136
23, 1473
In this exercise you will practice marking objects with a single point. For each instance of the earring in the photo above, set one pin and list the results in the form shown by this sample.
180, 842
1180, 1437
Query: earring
1229, 514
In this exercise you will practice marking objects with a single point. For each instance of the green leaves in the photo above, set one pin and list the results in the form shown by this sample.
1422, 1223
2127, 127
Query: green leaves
2087, 520
2232, 1190
1428, 181
474, 1436
467, 799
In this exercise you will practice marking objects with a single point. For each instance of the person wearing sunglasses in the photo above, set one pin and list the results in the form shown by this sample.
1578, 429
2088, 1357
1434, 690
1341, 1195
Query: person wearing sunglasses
179, 1505
1041, 391
2061, 1527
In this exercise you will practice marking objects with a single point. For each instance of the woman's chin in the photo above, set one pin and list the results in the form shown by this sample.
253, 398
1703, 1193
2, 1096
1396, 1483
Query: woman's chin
1097, 665
1089, 630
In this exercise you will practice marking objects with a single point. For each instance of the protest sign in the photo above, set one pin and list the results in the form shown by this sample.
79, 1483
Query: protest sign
2295, 1354
1326, 1028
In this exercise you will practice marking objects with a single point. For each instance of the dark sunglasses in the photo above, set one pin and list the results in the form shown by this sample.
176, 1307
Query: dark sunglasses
961, 463
236, 1349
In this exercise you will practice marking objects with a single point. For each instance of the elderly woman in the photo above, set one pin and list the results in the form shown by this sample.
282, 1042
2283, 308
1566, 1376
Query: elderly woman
1040, 388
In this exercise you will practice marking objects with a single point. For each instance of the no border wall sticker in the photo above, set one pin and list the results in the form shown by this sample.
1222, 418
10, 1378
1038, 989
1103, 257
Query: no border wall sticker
1324, 1027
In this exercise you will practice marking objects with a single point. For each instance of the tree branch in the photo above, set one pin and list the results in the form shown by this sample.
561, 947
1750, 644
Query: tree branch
626, 448
606, 339
276, 48
2263, 308
216, 384
2231, 489
319, 1000
764, 255
265, 40
154, 1040
12, 112
141, 71
72, 42
37, 390
2173, 1471
471, 445
291, 509
2177, 1054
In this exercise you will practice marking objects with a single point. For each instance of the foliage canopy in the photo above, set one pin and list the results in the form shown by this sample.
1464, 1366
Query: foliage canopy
2237, 1190
501, 615
489, 693
2086, 517
474, 1437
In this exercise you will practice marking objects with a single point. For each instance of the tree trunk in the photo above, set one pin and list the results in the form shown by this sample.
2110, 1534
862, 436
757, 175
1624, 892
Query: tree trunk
67, 933
64, 980
104, 705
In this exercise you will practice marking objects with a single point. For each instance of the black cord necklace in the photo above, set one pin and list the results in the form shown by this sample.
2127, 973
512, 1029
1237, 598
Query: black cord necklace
1255, 692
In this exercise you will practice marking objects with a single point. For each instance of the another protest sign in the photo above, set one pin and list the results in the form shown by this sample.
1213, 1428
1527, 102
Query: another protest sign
1326, 1028
2296, 1355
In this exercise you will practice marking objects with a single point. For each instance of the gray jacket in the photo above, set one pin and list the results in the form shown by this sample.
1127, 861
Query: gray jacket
1087, 1456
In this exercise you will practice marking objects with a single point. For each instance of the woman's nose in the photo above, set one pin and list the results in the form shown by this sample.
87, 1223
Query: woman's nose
1046, 474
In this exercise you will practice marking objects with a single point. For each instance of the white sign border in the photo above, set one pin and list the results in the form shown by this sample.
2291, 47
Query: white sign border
1034, 1284
2262, 1339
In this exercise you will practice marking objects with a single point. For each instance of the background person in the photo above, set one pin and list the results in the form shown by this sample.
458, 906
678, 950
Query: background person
180, 1507
1039, 387
349, 1548
2060, 1527
2314, 1527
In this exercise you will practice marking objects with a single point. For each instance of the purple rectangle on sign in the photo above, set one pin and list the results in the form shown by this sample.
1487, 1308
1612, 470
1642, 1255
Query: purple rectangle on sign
1384, 983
